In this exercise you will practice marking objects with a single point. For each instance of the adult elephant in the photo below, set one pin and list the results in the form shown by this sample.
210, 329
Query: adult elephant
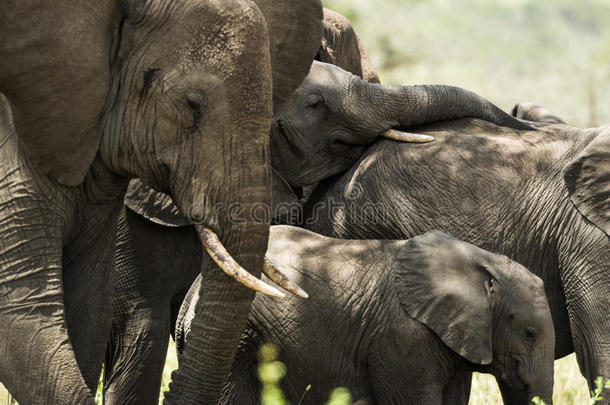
394, 321
175, 93
158, 255
541, 198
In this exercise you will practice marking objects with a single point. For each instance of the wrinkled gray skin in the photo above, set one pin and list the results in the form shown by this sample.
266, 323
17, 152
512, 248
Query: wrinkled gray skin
175, 93
394, 321
540, 198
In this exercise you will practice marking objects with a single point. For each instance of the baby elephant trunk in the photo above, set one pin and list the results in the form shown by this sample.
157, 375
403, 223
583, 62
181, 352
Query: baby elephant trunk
536, 378
409, 106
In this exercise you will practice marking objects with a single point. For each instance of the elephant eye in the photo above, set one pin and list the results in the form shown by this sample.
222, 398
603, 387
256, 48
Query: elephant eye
314, 101
530, 333
149, 75
196, 102
491, 287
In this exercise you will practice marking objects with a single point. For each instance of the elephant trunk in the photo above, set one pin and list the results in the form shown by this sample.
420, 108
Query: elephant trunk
220, 318
541, 375
409, 106
536, 377
242, 221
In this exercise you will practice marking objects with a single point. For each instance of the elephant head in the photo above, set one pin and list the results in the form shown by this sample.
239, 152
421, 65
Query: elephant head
175, 93
332, 117
488, 309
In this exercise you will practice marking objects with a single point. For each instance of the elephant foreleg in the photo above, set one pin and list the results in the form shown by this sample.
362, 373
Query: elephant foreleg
154, 265
136, 356
588, 300
88, 288
37, 361
140, 325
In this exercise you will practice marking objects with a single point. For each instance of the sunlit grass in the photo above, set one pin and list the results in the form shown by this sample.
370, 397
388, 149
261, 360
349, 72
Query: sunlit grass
570, 387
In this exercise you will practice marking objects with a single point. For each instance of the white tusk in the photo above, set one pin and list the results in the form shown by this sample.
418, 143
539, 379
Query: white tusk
223, 259
280, 279
406, 136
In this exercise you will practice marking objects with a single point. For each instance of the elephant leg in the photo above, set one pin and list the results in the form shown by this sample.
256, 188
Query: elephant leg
588, 301
37, 361
457, 391
136, 356
88, 289
154, 265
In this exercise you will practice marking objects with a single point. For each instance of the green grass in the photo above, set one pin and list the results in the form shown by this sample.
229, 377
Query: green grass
570, 386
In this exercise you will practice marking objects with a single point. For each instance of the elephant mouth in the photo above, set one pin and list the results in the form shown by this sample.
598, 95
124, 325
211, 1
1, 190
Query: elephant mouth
515, 377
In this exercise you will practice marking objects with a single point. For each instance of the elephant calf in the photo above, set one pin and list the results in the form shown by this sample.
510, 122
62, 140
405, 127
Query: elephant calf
395, 321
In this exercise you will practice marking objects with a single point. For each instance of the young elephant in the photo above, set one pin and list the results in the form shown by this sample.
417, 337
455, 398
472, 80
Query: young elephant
395, 321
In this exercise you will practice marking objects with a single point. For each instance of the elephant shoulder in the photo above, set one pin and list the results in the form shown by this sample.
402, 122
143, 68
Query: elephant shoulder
153, 205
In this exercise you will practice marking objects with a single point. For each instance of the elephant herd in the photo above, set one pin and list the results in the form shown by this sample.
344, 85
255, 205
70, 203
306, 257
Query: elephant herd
151, 148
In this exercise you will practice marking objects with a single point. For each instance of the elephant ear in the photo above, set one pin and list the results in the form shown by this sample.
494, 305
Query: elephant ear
441, 284
341, 47
588, 180
295, 33
153, 205
56, 74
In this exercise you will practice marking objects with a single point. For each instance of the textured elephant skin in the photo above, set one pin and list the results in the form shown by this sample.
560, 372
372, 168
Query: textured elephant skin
384, 317
98, 94
502, 190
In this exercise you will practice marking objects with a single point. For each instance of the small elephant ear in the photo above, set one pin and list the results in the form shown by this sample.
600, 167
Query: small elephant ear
341, 47
155, 206
440, 284
295, 33
588, 180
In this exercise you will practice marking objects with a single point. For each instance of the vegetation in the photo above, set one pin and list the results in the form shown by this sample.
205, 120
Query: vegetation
570, 386
552, 52
271, 372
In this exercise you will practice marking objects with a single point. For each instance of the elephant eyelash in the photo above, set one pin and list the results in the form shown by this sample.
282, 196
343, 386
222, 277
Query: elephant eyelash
196, 103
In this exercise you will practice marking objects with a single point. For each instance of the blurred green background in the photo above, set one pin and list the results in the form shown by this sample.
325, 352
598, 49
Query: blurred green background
552, 52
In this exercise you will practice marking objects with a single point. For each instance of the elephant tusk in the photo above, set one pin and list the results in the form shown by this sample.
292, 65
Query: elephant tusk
406, 136
223, 259
280, 279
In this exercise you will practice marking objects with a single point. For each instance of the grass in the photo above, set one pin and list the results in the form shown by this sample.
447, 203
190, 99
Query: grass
570, 386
